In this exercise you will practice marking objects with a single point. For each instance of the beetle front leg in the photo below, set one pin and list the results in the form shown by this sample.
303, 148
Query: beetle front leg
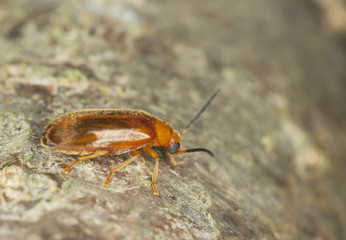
174, 162
154, 155
153, 179
175, 155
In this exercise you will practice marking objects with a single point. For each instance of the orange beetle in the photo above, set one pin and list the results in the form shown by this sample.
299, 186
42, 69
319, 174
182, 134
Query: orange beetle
101, 132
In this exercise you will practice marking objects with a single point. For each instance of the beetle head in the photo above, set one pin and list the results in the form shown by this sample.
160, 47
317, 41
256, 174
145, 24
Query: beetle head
174, 147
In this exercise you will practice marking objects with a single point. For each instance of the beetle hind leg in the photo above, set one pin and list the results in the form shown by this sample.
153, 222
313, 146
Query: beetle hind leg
93, 155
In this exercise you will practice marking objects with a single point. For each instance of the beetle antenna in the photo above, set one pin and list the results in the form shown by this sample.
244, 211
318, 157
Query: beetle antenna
199, 150
199, 114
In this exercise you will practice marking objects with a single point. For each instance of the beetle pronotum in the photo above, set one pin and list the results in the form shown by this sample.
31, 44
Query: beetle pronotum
101, 132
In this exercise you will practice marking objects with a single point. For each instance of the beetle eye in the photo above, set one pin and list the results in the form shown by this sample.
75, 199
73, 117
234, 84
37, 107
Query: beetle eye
175, 148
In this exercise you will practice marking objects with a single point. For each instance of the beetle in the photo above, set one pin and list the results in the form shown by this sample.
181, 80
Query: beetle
93, 133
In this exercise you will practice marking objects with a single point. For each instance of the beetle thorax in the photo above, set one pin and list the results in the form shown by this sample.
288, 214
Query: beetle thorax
165, 134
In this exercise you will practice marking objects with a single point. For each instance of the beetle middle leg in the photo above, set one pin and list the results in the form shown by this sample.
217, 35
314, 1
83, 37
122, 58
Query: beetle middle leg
136, 154
93, 155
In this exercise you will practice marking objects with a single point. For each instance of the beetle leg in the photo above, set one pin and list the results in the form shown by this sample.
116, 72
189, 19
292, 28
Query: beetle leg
135, 154
174, 162
93, 155
154, 155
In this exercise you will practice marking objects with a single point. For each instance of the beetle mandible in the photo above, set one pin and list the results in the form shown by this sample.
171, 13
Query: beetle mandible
102, 132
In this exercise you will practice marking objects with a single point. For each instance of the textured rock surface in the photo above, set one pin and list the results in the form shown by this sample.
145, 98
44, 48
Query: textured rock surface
277, 127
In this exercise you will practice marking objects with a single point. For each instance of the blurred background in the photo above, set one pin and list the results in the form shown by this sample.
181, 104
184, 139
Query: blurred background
277, 127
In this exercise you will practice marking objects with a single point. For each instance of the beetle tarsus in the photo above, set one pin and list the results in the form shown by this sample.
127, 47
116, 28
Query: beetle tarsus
176, 163
155, 189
